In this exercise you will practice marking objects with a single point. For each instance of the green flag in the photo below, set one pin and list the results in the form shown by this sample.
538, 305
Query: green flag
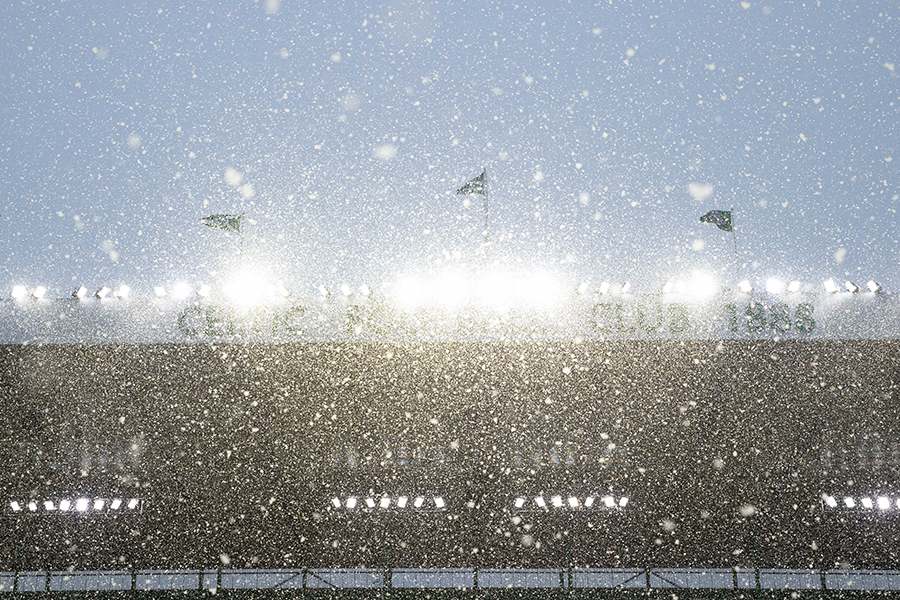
226, 222
475, 186
722, 219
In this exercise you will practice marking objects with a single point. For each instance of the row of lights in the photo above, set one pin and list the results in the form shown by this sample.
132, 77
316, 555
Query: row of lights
880, 502
79, 505
386, 502
776, 286
571, 502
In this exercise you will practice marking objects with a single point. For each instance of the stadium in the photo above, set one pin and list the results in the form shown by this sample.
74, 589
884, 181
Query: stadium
606, 444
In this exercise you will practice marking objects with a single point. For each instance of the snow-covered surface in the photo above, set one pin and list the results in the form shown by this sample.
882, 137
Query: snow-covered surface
579, 318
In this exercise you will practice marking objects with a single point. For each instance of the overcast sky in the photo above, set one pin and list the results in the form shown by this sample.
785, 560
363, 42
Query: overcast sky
343, 131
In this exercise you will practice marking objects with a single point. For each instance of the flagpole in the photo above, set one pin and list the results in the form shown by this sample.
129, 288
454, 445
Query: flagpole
737, 262
486, 237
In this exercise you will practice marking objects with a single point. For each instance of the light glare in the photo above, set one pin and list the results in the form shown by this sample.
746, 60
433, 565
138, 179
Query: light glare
774, 286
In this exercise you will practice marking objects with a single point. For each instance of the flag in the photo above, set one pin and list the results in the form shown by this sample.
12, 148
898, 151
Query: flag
226, 222
475, 186
722, 219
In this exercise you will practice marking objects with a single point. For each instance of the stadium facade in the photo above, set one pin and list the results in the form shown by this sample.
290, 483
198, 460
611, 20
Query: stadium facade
631, 438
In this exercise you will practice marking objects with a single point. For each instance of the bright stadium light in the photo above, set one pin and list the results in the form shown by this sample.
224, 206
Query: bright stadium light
64, 505
345, 290
702, 285
867, 503
623, 501
80, 293
133, 503
745, 287
589, 501
370, 502
82, 504
540, 502
181, 291
160, 291
667, 288
609, 501
439, 502
385, 502
851, 287
401, 501
557, 501
830, 286
102, 293
794, 287
573, 502
39, 292
15, 506
19, 292
204, 290
99, 503
351, 502
49, 506
883, 503
774, 286
520, 502
115, 504
123, 292
849, 502
32, 506
604, 288
626, 287
874, 286
583, 288
829, 500
336, 502
365, 291
419, 501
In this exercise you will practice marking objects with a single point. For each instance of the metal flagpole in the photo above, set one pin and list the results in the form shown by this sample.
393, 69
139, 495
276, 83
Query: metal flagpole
737, 263
486, 236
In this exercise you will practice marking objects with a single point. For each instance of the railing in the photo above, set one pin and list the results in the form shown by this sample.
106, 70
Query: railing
460, 579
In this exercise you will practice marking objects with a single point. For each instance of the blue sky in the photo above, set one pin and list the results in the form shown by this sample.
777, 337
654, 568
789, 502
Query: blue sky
342, 131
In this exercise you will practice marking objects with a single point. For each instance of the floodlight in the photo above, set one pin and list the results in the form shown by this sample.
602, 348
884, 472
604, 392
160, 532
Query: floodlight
439, 502
204, 290
385, 502
583, 288
15, 506
874, 287
867, 502
830, 286
883, 503
745, 287
282, 291
401, 501
623, 501
849, 502
667, 288
774, 286
419, 501
898, 502
133, 503
48, 505
626, 287
851, 287
520, 502
39, 292
794, 287
99, 503
589, 501
345, 290
82, 504
351, 502
115, 504
702, 284
80, 293
19, 292
540, 502
557, 501
573, 502
160, 291
123, 292
829, 500
365, 291
181, 291
336, 502
609, 501
370, 502
324, 291
64, 505
102, 293
604, 288
32, 506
